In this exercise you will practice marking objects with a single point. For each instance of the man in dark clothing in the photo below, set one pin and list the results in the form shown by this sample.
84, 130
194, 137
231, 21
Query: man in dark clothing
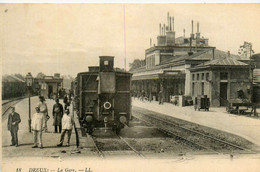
66, 101
57, 113
13, 126
160, 98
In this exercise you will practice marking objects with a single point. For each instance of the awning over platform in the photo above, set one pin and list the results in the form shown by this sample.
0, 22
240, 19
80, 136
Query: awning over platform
159, 74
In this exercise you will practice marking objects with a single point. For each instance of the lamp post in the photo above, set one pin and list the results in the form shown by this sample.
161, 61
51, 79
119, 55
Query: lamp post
29, 81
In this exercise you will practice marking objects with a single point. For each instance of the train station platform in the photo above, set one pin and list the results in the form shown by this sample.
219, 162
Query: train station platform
216, 117
25, 138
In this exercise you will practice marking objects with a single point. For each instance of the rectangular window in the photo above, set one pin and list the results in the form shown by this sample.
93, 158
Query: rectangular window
198, 76
207, 76
202, 88
106, 62
193, 89
153, 60
223, 75
193, 77
202, 76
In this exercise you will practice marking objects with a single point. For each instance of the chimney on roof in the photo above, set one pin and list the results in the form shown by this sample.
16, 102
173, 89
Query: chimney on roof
168, 19
228, 53
170, 24
192, 34
192, 26
150, 42
163, 29
198, 34
184, 33
160, 29
173, 23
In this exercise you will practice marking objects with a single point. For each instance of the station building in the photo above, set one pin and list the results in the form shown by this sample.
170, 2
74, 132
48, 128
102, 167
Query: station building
173, 62
48, 86
222, 80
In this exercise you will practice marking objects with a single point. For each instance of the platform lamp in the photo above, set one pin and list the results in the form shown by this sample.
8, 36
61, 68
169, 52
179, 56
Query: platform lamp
29, 82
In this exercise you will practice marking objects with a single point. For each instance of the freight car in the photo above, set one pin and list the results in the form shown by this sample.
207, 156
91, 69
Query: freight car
102, 97
12, 87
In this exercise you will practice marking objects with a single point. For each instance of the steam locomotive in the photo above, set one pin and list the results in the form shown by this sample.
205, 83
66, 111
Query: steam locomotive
102, 97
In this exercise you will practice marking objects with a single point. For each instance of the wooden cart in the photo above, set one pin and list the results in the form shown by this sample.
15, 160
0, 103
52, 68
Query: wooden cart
238, 106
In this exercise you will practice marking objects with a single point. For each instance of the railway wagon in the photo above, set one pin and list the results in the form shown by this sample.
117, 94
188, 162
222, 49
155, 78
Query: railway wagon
102, 97
13, 89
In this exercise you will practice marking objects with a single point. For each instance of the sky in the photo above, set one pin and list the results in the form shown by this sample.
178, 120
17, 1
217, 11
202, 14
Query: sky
67, 38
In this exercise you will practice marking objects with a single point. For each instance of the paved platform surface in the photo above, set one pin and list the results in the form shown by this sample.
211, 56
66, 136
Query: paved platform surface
218, 118
50, 139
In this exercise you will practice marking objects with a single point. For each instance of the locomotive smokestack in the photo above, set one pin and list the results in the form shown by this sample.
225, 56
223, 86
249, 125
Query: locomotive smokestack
106, 63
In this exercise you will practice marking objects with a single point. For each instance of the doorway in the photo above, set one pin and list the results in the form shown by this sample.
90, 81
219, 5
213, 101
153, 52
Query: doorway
223, 93
50, 91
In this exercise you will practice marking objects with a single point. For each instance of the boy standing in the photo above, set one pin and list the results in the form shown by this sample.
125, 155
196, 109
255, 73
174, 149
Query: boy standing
67, 124
13, 126
37, 127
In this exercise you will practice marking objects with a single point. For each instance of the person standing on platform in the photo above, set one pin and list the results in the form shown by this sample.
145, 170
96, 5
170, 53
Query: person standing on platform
67, 124
66, 101
142, 95
13, 126
37, 127
44, 110
150, 96
160, 97
57, 112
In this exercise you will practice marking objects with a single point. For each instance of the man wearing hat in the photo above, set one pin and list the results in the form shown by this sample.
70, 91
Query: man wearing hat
13, 125
43, 109
57, 112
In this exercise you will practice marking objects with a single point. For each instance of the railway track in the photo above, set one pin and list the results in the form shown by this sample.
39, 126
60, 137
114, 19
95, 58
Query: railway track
7, 105
103, 152
192, 137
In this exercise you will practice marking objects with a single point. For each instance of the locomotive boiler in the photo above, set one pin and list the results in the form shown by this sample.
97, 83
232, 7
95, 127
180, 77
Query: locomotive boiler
103, 97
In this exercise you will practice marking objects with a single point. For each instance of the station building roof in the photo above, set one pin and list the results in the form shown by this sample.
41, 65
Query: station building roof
48, 79
11, 78
224, 62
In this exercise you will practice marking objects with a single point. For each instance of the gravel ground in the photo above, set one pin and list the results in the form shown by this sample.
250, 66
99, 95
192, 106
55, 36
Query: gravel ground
147, 140
151, 142
203, 129
162, 145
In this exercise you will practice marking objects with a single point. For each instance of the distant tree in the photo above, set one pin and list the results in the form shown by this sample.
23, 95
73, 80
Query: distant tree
67, 79
40, 75
245, 50
136, 64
